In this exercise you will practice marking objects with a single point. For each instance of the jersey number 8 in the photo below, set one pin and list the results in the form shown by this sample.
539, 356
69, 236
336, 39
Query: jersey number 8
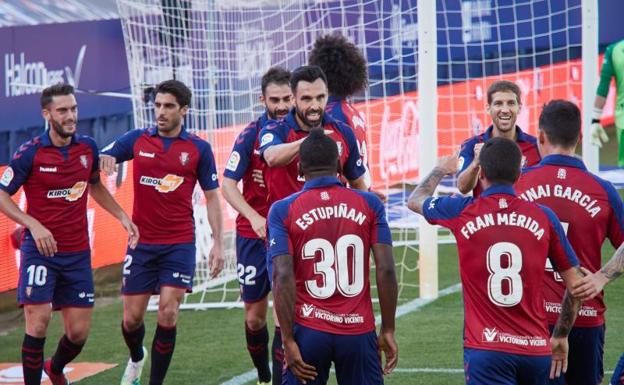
334, 266
499, 274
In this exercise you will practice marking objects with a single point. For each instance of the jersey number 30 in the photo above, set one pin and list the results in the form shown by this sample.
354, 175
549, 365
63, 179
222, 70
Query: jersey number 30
334, 266
510, 274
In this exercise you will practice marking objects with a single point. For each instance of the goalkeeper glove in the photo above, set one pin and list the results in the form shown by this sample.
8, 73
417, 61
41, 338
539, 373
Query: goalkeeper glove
598, 134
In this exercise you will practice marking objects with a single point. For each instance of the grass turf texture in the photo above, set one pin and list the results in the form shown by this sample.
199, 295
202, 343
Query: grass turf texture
211, 346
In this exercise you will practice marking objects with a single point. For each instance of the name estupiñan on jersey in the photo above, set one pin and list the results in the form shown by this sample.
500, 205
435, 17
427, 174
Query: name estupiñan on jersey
330, 212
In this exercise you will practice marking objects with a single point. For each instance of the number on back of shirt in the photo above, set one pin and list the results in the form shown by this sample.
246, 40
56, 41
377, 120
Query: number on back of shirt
335, 266
504, 262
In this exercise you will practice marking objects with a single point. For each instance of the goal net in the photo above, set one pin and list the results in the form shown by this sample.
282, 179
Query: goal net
221, 48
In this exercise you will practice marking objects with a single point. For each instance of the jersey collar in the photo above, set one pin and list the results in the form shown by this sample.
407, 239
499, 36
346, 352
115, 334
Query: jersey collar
183, 134
321, 181
499, 189
47, 142
521, 135
563, 160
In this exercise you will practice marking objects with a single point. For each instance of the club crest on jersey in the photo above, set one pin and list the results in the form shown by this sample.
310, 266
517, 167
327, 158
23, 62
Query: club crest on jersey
524, 161
84, 161
7, 176
324, 196
502, 203
489, 334
164, 185
184, 158
562, 173
71, 194
306, 310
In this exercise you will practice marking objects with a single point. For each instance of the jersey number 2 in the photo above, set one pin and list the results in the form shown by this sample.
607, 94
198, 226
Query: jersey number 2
334, 266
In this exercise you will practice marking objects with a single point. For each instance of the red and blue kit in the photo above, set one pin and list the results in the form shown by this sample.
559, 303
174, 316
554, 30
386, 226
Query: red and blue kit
55, 181
503, 243
285, 180
526, 142
342, 110
166, 171
329, 230
590, 211
245, 163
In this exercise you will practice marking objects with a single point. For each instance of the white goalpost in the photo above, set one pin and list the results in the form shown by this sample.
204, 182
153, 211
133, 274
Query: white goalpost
430, 63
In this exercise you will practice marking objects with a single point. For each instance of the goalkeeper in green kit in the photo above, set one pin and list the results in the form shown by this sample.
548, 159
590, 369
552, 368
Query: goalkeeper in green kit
613, 65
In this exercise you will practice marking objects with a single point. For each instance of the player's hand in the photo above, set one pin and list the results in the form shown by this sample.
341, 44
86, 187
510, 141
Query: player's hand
46, 244
258, 224
108, 164
132, 230
590, 285
388, 346
258, 177
477, 151
295, 362
216, 260
448, 164
598, 135
559, 363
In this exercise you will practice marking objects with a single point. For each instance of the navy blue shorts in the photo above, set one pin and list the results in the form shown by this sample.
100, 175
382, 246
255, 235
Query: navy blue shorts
355, 357
150, 266
485, 367
618, 373
252, 268
584, 357
65, 280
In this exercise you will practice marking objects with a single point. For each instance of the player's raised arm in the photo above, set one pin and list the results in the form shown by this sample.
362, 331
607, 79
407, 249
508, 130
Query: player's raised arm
446, 165
468, 177
278, 154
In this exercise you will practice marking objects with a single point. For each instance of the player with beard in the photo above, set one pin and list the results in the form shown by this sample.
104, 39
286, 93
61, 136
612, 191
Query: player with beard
168, 162
245, 163
503, 104
280, 141
56, 169
346, 71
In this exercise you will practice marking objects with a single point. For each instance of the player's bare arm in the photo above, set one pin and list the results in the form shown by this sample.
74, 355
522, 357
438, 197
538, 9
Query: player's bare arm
235, 198
387, 291
216, 258
104, 198
593, 283
284, 295
359, 183
446, 165
46, 244
570, 306
108, 164
467, 179
281, 154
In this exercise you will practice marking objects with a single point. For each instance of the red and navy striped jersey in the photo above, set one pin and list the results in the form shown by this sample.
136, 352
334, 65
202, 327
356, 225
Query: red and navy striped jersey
590, 210
55, 181
342, 110
165, 173
526, 142
329, 230
503, 243
244, 161
285, 180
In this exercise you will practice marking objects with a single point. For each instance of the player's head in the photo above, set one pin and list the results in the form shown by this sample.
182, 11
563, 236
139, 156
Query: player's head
503, 104
500, 161
276, 94
309, 86
343, 64
559, 126
318, 155
171, 104
59, 109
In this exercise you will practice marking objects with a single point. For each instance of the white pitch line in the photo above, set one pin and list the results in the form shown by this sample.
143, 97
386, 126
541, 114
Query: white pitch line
409, 307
